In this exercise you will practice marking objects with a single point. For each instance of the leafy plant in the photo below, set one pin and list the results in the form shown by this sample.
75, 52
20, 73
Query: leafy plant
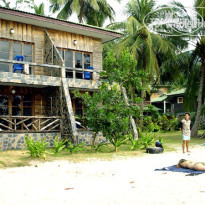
99, 146
143, 142
36, 148
58, 145
136, 144
74, 148
146, 139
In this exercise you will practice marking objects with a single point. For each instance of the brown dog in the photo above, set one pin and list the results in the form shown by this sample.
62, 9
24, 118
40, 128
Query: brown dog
199, 166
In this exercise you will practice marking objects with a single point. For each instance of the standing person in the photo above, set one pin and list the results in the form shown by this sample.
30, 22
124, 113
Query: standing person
186, 132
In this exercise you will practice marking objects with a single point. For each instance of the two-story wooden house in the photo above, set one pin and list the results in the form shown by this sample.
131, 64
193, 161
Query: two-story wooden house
56, 57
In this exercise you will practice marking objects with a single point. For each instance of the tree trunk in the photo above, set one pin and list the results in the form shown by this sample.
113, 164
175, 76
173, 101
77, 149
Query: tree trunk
134, 129
194, 130
81, 14
94, 137
142, 105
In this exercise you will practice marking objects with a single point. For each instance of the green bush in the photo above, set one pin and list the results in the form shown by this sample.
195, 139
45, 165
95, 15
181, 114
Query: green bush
146, 139
74, 148
165, 123
36, 148
174, 122
143, 142
58, 145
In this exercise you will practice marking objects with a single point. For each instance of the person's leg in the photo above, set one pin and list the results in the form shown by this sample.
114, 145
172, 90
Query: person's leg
183, 146
187, 145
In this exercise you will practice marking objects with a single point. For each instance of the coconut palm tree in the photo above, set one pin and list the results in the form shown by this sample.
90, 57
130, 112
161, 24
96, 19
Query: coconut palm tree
194, 67
148, 48
198, 59
39, 9
93, 12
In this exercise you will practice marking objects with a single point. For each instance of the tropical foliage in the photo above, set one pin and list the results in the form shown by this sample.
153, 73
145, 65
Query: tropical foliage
39, 9
107, 110
150, 49
75, 147
93, 12
36, 148
58, 145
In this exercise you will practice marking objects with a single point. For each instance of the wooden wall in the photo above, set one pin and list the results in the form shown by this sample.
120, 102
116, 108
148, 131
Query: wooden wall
36, 35
85, 43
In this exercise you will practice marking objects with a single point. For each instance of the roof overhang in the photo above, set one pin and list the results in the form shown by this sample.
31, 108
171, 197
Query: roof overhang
48, 22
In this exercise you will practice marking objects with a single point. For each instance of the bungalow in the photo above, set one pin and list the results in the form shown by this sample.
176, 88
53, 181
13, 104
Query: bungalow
171, 102
56, 57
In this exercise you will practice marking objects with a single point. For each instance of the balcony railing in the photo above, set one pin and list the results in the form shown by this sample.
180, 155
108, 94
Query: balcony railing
30, 124
30, 68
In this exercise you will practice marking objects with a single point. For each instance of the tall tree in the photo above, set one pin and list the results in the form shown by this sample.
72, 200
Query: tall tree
147, 47
194, 64
198, 57
93, 12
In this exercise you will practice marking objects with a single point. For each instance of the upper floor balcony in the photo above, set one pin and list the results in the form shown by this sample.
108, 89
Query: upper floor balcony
40, 75
57, 63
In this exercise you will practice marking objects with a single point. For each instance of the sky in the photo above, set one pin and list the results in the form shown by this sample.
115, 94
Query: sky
119, 8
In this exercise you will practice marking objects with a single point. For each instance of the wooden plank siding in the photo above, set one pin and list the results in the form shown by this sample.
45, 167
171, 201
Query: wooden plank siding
36, 35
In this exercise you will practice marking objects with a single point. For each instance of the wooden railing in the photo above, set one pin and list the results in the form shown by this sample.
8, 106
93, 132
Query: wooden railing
30, 124
49, 70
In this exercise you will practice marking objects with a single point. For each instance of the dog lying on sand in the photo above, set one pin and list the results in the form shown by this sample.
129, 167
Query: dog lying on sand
189, 164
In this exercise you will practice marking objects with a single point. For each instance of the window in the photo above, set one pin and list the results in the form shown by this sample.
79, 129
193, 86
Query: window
16, 105
86, 61
14, 48
27, 52
79, 108
4, 54
4, 103
78, 60
180, 100
21, 105
17, 49
75, 59
69, 59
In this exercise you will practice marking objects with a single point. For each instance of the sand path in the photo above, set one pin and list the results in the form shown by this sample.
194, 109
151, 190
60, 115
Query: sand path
130, 181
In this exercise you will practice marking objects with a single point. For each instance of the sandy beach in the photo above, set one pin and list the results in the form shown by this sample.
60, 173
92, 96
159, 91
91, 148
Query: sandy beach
121, 181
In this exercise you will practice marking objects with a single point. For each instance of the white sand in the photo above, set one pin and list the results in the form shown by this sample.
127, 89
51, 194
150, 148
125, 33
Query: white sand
131, 181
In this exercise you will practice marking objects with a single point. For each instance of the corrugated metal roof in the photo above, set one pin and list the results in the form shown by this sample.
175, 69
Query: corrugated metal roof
177, 92
58, 24
159, 99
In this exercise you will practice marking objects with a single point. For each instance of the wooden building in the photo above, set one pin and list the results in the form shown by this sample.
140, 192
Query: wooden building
58, 57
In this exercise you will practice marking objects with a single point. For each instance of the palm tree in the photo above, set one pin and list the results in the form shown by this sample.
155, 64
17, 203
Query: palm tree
93, 12
198, 59
39, 9
147, 47
98, 17
194, 67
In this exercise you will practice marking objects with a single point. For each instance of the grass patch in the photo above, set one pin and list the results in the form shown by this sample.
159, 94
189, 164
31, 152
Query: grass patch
20, 158
173, 140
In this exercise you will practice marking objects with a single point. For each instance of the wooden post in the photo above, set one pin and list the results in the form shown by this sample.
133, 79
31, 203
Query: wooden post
94, 76
164, 106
